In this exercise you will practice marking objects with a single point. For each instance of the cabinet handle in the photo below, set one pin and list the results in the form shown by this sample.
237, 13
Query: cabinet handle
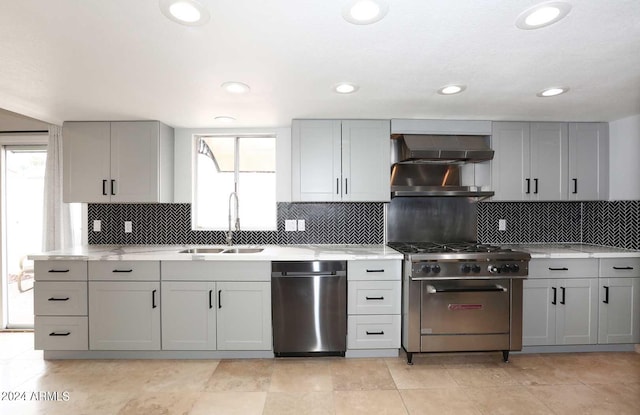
535, 189
606, 295
338, 186
346, 186
113, 187
153, 299
563, 295
58, 299
104, 187
555, 293
528, 186
122, 270
219, 298
60, 334
210, 299
59, 270
374, 298
559, 269
575, 186
375, 333
375, 270
623, 268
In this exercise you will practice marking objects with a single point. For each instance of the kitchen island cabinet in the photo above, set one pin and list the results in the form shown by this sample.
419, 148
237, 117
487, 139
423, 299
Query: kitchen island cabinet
117, 162
340, 161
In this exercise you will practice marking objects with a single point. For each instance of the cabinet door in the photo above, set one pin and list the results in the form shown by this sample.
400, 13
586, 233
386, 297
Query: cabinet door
588, 161
124, 315
135, 161
619, 313
316, 161
549, 171
366, 161
86, 168
538, 313
244, 316
511, 162
577, 311
188, 315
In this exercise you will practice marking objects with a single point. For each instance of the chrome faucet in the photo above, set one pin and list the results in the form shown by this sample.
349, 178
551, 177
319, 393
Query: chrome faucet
232, 196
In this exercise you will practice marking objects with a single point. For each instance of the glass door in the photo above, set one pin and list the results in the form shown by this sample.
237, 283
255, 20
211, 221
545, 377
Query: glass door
23, 194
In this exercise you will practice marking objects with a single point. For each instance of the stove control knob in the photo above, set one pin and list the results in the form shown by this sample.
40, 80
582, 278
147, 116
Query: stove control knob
425, 269
493, 269
466, 268
505, 268
515, 268
476, 268
436, 269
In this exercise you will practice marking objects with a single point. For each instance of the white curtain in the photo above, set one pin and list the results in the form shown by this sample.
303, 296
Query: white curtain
57, 232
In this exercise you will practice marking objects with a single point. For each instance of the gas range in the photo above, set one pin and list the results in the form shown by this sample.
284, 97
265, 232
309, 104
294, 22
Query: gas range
452, 260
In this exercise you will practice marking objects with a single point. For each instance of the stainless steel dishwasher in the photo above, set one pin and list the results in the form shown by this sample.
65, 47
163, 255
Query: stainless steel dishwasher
309, 305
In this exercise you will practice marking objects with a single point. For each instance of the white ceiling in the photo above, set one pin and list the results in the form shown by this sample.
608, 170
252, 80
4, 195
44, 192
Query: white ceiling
123, 59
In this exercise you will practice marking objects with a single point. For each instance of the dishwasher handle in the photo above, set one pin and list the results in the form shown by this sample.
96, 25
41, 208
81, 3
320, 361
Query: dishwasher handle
304, 274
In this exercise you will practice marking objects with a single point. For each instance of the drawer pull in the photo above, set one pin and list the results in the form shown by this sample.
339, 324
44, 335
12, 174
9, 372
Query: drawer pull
66, 333
559, 269
122, 270
623, 268
375, 270
375, 333
59, 270
374, 298
58, 299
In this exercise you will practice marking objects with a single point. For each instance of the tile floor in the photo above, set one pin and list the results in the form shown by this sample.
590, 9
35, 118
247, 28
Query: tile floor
576, 383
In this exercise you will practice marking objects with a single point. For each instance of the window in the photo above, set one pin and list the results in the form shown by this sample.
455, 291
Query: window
228, 163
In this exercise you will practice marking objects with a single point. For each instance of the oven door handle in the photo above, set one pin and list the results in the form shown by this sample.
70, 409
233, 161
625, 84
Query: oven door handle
494, 288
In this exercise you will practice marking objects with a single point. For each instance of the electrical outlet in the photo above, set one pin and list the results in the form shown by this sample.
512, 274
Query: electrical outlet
301, 225
290, 225
97, 226
502, 224
128, 226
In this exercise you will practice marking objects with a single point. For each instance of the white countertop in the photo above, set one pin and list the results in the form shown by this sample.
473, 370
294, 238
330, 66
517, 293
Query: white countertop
573, 251
171, 253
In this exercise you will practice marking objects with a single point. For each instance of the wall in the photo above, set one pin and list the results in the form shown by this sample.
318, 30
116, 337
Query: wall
10, 121
624, 157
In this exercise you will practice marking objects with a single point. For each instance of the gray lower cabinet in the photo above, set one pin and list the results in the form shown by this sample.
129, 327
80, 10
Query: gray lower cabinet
221, 315
124, 315
619, 301
560, 311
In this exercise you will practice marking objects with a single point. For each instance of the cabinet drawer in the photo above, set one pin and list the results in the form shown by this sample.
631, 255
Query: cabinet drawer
619, 267
61, 333
216, 270
60, 270
379, 269
373, 332
374, 297
124, 270
563, 268
56, 298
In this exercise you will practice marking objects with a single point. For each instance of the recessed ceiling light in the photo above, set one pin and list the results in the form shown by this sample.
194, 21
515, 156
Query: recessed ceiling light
345, 88
451, 89
186, 12
236, 87
365, 11
542, 15
552, 92
224, 119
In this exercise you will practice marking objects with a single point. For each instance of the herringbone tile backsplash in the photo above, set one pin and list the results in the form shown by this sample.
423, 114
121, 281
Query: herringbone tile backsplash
326, 223
603, 223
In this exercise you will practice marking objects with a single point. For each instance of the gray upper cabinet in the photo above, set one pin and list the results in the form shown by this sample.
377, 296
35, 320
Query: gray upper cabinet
550, 161
529, 161
125, 161
588, 161
335, 160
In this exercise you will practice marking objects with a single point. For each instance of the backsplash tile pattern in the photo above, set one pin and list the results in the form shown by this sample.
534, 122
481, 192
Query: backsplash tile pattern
170, 223
615, 223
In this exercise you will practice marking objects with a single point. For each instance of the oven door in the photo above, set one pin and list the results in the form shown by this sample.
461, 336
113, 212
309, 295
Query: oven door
464, 307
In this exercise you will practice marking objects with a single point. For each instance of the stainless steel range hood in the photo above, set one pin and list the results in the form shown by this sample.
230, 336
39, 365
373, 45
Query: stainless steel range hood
434, 165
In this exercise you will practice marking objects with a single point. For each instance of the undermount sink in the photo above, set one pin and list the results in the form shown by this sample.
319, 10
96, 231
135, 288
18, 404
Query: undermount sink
201, 251
242, 250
